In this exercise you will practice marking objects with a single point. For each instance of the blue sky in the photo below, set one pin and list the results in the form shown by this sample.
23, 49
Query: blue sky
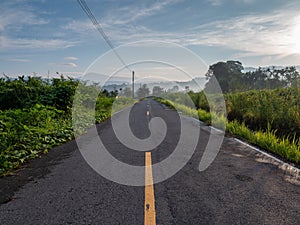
55, 35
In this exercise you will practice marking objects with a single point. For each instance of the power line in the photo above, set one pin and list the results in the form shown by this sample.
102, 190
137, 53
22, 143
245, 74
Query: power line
90, 15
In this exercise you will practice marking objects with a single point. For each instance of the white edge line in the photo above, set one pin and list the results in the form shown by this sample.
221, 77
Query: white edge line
290, 167
216, 129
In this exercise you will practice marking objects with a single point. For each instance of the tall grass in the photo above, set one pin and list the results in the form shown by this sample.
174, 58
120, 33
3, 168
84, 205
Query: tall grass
269, 119
267, 140
279, 109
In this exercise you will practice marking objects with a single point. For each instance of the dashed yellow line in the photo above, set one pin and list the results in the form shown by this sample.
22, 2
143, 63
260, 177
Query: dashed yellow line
149, 207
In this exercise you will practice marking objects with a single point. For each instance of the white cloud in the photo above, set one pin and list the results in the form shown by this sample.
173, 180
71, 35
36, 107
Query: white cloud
19, 60
35, 44
71, 58
246, 1
79, 26
222, 2
73, 65
118, 18
137, 13
215, 2
14, 17
272, 34
268, 34
276, 33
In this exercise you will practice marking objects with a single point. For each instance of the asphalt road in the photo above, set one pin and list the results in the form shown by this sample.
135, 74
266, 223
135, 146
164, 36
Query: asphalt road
240, 187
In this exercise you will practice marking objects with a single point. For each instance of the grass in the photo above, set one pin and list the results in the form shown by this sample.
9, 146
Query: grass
279, 109
265, 139
121, 103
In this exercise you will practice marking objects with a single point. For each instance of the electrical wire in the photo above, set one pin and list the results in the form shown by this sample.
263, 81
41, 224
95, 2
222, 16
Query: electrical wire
93, 19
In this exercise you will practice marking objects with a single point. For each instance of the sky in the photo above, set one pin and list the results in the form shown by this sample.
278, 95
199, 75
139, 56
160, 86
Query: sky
37, 36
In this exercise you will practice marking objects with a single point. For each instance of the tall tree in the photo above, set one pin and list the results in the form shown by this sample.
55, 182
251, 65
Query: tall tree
143, 91
127, 92
228, 74
157, 90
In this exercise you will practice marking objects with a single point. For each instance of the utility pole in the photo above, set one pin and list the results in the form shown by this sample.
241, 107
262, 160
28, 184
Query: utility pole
48, 77
132, 84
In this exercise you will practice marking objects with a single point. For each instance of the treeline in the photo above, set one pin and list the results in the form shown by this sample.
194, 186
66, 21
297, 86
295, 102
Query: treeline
25, 92
231, 77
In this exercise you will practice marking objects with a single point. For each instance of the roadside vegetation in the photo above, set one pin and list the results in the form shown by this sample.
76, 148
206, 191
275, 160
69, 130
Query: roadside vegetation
36, 115
277, 110
285, 145
263, 106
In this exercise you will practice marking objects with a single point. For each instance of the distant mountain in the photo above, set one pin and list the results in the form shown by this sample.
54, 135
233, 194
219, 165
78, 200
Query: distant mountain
117, 82
196, 84
105, 79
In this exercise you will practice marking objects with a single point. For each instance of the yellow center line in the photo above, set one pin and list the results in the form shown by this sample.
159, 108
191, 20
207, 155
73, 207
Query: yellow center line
149, 207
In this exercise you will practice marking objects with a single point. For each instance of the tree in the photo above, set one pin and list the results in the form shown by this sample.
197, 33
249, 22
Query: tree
256, 79
231, 79
143, 91
292, 76
127, 92
228, 74
157, 91
270, 78
174, 89
113, 93
105, 93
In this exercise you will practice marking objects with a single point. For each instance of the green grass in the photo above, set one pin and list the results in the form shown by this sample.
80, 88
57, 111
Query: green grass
121, 103
204, 116
279, 109
265, 139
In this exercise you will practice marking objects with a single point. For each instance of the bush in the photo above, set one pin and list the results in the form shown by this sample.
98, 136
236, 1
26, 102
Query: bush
35, 115
27, 133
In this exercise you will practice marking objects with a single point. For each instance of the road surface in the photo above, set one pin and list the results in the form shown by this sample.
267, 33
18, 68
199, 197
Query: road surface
240, 187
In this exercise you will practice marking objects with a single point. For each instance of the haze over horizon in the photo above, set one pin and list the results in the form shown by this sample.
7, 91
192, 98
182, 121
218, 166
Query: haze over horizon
37, 36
